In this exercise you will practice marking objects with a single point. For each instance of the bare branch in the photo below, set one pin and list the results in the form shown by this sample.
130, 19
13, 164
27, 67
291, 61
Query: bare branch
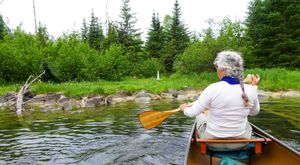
37, 77
22, 91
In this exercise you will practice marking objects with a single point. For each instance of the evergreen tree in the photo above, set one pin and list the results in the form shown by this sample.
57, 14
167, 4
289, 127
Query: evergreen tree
95, 32
42, 35
177, 38
273, 30
3, 28
129, 37
84, 31
155, 40
112, 36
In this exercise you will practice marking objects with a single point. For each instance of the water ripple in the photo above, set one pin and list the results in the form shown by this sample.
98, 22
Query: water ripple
110, 135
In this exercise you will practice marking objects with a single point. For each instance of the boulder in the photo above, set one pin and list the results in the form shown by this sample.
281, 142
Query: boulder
291, 94
93, 101
191, 94
38, 98
173, 92
142, 96
115, 99
142, 93
182, 97
166, 96
154, 96
263, 95
70, 104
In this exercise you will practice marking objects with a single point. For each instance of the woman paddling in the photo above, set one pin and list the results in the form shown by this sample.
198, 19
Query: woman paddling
229, 102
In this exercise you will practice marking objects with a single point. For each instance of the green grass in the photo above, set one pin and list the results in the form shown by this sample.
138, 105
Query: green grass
271, 79
278, 79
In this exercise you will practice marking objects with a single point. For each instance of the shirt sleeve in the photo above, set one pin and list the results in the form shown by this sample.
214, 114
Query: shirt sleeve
200, 105
256, 107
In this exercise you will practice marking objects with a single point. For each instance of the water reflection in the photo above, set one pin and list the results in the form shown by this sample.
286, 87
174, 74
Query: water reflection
108, 135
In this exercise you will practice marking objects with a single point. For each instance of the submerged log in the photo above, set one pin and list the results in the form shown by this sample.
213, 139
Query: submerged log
24, 89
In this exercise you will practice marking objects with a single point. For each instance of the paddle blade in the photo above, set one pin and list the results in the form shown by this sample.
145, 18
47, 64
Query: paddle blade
151, 119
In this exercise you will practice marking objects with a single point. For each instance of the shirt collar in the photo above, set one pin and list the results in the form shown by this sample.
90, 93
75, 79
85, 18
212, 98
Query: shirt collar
231, 80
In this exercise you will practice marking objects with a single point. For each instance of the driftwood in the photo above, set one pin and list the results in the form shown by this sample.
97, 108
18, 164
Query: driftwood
22, 91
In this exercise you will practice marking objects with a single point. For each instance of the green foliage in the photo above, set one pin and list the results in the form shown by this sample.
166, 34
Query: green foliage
271, 79
19, 57
112, 65
277, 79
84, 31
156, 39
148, 68
42, 36
273, 30
177, 38
95, 32
112, 36
128, 36
199, 56
73, 59
270, 39
48, 76
196, 58
3, 28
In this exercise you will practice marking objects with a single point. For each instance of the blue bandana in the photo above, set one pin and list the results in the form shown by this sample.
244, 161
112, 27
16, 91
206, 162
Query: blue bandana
230, 80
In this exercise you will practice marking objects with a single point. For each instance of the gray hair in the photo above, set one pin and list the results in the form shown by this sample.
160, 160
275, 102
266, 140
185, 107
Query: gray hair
233, 65
231, 62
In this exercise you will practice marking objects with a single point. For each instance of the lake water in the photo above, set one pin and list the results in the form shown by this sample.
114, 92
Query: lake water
112, 135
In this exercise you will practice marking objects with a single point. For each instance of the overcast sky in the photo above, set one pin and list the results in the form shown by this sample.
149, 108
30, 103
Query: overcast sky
67, 15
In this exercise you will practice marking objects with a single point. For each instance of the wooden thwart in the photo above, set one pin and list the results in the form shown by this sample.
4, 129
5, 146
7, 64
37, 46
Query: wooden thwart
258, 143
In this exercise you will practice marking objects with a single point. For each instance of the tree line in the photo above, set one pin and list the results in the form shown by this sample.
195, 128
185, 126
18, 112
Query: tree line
268, 38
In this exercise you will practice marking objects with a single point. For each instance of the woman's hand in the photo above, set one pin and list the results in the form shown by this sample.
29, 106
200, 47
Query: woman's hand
183, 106
252, 79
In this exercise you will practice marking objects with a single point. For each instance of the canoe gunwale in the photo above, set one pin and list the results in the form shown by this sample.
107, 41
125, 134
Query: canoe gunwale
186, 157
255, 128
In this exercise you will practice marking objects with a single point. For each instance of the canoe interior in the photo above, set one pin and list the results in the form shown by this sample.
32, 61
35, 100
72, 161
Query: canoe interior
273, 153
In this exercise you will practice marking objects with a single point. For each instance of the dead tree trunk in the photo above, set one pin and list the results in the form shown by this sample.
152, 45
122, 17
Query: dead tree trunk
22, 91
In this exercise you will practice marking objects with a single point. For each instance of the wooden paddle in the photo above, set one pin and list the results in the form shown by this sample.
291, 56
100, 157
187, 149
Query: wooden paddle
151, 119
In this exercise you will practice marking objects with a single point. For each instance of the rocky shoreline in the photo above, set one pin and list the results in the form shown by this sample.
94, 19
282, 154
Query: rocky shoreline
58, 101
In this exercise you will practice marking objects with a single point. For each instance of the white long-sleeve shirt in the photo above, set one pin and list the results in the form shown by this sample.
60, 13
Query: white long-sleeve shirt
227, 115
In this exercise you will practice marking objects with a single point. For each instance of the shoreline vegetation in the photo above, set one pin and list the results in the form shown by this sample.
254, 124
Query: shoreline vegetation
79, 95
273, 80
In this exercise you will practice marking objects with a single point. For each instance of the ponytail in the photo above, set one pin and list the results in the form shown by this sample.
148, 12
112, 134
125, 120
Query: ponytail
244, 95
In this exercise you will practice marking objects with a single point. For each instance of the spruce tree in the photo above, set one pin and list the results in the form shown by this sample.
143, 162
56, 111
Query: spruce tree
177, 38
155, 41
112, 36
42, 35
3, 28
84, 31
95, 32
128, 35
273, 30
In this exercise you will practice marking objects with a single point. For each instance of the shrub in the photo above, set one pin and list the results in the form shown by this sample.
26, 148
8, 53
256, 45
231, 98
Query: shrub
148, 68
196, 58
19, 57
73, 58
112, 65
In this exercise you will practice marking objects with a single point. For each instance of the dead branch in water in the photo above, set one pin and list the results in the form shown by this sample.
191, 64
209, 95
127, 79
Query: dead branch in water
22, 91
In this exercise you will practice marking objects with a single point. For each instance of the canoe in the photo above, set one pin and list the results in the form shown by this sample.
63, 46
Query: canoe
273, 153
